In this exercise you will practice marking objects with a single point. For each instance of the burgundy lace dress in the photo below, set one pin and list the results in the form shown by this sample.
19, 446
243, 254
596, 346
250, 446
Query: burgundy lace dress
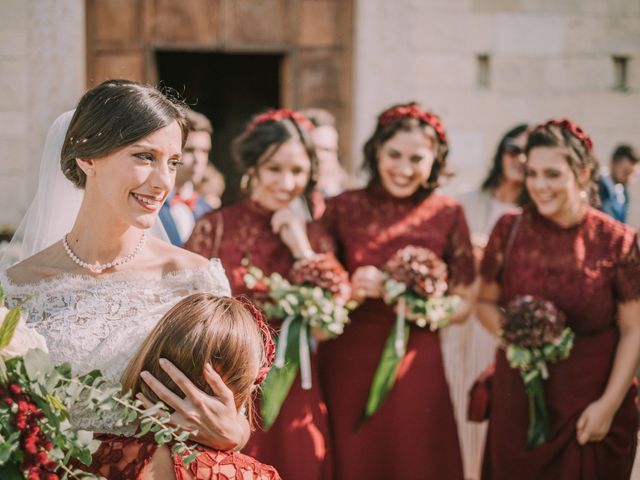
586, 270
297, 443
413, 435
124, 458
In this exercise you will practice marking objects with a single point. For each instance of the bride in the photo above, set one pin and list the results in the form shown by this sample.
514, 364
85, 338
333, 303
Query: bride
96, 281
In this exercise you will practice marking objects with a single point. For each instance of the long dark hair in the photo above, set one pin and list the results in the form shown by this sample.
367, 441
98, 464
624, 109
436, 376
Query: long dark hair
385, 130
113, 115
495, 174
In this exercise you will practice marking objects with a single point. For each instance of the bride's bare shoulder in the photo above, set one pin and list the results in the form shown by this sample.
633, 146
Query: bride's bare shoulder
175, 258
47, 263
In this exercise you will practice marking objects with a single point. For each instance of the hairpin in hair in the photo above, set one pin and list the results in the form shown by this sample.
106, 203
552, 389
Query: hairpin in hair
413, 111
269, 345
573, 128
279, 115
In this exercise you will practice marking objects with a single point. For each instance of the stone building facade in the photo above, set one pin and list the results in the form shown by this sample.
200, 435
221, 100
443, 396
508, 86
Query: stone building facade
483, 65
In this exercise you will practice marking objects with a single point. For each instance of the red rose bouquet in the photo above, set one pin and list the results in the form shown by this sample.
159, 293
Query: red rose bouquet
314, 301
534, 334
415, 285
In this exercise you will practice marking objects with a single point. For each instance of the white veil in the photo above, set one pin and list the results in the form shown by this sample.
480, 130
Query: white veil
56, 204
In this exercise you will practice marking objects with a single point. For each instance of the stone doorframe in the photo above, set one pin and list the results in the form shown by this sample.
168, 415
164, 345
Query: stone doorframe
316, 37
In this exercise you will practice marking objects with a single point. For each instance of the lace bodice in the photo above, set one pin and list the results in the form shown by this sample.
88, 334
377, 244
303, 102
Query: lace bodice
99, 322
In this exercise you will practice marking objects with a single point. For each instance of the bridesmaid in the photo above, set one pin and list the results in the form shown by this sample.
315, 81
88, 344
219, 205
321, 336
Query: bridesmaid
279, 162
413, 435
588, 265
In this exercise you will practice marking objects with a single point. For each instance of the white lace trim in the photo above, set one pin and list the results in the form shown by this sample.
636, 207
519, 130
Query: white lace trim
99, 322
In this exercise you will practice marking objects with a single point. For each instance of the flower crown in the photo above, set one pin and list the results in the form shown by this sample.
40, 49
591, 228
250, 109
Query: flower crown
413, 111
573, 128
279, 115
269, 345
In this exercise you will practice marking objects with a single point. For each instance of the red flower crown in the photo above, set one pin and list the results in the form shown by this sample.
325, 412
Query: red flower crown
573, 128
269, 345
413, 111
279, 115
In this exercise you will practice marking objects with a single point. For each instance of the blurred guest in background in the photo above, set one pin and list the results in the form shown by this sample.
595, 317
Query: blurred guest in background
468, 348
614, 197
184, 205
332, 178
212, 186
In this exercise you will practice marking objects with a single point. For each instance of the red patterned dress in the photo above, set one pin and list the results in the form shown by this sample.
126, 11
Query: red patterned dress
125, 458
297, 443
585, 270
413, 435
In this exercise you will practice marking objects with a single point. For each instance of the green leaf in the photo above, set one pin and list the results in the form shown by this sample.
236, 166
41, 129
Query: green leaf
3, 372
279, 381
8, 327
385, 375
11, 471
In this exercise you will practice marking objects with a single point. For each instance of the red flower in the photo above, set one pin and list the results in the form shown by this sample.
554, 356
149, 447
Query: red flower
420, 269
322, 271
278, 116
413, 111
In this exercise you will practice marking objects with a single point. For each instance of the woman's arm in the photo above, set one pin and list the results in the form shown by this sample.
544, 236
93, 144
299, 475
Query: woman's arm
594, 423
487, 309
218, 423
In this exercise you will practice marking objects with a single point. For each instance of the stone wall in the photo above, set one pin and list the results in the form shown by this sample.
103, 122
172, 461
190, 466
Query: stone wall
42, 65
546, 58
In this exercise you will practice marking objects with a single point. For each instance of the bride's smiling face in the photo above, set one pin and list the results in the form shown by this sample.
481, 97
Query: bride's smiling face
131, 184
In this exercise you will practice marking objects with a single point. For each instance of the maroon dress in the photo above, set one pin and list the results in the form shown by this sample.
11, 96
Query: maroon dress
297, 443
413, 435
585, 270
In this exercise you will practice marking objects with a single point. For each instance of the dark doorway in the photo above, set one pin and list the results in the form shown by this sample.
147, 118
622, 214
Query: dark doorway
227, 88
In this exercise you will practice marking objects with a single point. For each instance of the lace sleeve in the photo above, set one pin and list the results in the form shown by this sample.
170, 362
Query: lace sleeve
459, 253
120, 457
203, 237
493, 258
213, 280
627, 277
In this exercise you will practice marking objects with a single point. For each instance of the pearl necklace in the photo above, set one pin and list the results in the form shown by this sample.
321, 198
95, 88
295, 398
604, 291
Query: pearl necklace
100, 267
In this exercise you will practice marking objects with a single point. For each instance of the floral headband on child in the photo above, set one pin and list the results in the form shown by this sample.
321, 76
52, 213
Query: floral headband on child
279, 115
573, 128
269, 345
413, 111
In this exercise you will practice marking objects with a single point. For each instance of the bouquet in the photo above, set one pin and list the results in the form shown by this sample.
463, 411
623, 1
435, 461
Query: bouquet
415, 284
534, 333
37, 440
316, 300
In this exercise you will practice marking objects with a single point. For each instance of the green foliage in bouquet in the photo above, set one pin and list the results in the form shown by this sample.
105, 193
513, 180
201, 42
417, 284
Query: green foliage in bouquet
534, 335
315, 304
37, 438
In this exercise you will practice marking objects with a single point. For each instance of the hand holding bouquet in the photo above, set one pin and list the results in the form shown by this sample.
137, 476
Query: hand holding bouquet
37, 440
534, 334
415, 285
316, 300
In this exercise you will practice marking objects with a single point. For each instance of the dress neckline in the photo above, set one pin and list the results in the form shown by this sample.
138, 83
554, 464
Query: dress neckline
555, 226
377, 190
120, 276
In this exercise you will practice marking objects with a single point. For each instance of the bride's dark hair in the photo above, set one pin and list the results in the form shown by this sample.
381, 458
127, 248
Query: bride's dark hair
113, 115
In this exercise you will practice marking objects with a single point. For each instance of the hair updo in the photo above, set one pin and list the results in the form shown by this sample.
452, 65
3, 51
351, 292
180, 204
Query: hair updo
577, 150
113, 115
405, 118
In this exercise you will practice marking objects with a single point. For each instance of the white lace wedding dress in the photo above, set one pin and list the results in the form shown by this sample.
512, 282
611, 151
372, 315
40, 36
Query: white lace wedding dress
99, 323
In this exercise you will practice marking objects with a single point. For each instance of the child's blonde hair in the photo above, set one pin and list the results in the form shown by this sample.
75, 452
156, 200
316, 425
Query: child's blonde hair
201, 329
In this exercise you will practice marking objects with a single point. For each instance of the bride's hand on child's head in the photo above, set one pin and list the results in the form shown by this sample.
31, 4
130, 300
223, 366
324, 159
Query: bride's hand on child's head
215, 417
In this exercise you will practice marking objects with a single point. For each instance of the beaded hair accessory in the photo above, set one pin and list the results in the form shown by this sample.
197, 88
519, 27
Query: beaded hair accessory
269, 345
573, 128
279, 115
413, 111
